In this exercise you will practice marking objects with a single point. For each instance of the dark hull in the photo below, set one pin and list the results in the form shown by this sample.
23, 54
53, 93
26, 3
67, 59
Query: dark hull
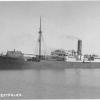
12, 63
63, 65
17, 63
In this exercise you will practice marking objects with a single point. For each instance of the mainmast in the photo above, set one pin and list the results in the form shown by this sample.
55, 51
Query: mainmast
40, 34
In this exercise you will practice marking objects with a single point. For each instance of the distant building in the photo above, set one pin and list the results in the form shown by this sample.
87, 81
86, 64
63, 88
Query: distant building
15, 54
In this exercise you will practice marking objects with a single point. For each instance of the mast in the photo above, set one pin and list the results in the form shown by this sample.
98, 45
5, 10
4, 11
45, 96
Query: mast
40, 34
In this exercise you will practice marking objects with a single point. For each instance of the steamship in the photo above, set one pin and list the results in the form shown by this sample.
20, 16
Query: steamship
16, 59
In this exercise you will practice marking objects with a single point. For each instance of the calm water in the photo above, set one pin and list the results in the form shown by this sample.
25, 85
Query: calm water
52, 83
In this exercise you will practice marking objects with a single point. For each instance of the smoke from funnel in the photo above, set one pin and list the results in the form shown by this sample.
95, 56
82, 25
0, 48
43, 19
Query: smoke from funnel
72, 37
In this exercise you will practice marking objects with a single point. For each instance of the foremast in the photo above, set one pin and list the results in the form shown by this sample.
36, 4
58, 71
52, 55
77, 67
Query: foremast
40, 35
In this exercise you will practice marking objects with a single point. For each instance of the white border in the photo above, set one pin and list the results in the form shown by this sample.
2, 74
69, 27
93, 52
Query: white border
50, 0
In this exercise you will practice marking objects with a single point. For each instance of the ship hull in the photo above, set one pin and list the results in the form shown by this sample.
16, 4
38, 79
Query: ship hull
18, 63
64, 65
12, 63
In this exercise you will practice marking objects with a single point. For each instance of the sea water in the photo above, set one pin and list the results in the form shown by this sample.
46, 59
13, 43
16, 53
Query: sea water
51, 83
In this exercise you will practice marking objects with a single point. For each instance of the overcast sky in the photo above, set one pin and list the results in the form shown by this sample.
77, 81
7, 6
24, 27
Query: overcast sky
19, 25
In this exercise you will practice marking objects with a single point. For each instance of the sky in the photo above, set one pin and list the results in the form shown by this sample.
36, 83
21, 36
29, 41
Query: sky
19, 25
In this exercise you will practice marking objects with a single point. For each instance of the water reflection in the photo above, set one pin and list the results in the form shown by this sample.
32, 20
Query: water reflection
72, 76
52, 83
90, 77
